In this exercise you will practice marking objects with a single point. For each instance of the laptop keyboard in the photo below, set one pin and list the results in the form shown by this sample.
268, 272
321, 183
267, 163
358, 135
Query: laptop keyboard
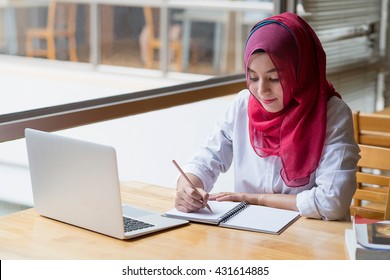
133, 224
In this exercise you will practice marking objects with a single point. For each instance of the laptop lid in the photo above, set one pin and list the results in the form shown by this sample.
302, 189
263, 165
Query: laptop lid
76, 182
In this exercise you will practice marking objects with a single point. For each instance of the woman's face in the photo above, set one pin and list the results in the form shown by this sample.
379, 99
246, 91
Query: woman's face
264, 82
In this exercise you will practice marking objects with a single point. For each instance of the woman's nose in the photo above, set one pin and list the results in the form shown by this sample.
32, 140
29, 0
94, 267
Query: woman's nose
263, 88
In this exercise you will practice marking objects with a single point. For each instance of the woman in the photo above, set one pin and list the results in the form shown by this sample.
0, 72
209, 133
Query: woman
290, 133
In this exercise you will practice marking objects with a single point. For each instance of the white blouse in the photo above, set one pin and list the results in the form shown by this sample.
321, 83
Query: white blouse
328, 194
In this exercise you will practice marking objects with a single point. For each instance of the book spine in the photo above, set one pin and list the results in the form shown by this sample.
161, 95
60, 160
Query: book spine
233, 212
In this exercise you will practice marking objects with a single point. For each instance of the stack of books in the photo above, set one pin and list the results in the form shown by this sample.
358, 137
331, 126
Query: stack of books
368, 239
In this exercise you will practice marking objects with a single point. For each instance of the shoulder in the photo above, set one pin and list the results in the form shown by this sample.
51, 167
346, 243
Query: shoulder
242, 98
337, 108
339, 122
240, 103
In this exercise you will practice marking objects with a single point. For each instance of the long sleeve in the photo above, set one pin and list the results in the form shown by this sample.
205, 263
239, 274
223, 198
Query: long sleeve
217, 154
335, 178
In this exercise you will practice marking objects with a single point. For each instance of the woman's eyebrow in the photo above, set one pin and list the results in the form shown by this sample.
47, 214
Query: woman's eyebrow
272, 70
250, 70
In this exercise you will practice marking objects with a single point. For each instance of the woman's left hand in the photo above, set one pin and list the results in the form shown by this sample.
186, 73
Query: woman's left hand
276, 200
235, 196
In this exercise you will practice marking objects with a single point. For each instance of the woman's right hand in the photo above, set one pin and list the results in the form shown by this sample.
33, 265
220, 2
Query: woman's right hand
187, 199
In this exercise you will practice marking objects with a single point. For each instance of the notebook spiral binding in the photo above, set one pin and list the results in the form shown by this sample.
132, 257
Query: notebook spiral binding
233, 212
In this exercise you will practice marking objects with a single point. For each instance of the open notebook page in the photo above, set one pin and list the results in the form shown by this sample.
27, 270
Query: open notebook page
263, 219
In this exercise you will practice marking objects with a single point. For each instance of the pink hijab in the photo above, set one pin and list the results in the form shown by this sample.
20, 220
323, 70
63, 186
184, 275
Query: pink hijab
297, 133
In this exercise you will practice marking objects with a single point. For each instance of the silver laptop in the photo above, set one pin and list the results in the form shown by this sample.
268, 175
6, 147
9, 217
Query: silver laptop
76, 182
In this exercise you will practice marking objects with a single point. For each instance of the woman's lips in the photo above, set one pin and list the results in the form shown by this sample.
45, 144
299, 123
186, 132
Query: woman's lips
268, 101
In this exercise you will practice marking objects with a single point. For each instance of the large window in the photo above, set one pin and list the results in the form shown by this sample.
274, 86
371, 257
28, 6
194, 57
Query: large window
156, 43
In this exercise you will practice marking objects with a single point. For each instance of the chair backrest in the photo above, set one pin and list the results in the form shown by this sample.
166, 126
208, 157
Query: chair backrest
151, 16
62, 16
372, 129
372, 198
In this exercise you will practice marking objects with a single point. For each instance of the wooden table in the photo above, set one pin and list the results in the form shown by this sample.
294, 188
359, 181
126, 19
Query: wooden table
26, 235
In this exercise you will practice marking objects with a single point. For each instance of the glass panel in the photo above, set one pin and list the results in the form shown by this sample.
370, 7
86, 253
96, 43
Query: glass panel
28, 27
202, 34
213, 35
119, 38
83, 33
16, 19
190, 37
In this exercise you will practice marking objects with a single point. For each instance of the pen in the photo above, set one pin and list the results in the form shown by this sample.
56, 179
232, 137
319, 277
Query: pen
189, 181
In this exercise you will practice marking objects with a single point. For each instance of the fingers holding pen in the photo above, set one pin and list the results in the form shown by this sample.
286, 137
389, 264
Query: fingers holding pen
188, 199
193, 192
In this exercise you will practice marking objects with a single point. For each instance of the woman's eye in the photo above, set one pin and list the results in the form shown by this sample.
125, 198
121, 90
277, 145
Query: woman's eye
274, 79
254, 79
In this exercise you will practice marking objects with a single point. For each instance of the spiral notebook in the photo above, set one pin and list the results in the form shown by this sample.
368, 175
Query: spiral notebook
241, 215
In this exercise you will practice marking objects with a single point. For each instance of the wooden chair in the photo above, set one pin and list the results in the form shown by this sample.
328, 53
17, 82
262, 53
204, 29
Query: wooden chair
61, 23
372, 129
154, 43
372, 198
